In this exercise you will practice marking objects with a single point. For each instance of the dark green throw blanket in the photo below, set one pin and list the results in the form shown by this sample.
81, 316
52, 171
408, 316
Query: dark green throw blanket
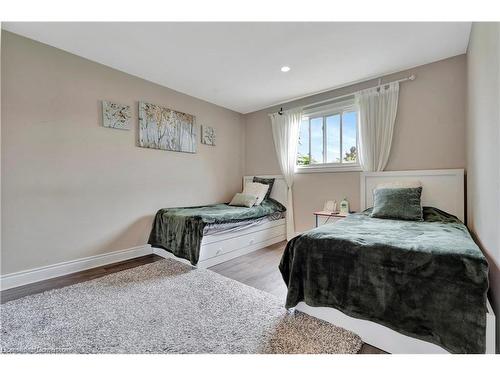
180, 230
427, 279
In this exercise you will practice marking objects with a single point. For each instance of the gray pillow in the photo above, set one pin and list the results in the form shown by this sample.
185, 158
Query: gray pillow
397, 203
267, 181
243, 200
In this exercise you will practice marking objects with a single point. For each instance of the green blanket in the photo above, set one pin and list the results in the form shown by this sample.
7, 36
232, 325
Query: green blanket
180, 230
424, 279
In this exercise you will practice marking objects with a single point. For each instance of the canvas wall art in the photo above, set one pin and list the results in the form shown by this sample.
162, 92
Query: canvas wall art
165, 129
115, 115
208, 135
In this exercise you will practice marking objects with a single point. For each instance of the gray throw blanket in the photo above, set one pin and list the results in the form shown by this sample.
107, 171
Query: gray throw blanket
180, 230
427, 279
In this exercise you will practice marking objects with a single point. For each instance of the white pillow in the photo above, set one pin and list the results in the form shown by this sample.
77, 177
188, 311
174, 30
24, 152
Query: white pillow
259, 190
243, 200
399, 185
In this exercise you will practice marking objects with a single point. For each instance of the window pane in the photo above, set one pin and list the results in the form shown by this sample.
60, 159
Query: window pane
317, 140
349, 137
333, 139
303, 149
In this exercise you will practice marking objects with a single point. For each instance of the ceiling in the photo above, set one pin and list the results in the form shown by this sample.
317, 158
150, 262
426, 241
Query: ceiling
237, 65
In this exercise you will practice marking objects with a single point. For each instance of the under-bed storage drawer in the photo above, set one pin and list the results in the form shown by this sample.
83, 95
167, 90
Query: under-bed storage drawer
214, 249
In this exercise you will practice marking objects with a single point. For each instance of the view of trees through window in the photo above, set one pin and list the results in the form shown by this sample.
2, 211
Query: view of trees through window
328, 139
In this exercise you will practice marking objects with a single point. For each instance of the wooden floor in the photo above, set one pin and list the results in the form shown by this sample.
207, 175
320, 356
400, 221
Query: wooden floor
75, 278
258, 269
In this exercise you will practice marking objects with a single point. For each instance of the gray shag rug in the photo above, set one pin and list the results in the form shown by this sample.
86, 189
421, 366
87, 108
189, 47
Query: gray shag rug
164, 307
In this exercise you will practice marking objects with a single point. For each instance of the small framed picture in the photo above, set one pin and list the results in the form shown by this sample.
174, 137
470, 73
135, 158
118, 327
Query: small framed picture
207, 135
115, 115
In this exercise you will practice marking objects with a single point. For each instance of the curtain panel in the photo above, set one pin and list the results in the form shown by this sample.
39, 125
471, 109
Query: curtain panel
286, 129
377, 113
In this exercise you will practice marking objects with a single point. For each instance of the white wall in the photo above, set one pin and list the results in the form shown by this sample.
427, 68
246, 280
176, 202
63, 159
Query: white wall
72, 188
483, 145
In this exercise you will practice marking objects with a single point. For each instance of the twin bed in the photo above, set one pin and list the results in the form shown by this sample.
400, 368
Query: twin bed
403, 286
208, 235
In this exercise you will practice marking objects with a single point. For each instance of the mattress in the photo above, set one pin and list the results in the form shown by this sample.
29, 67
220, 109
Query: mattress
221, 228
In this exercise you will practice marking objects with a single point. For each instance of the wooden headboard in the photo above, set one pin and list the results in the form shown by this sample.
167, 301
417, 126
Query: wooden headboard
280, 189
441, 188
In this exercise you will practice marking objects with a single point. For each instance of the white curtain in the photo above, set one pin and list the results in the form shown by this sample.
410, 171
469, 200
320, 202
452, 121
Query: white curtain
286, 129
377, 112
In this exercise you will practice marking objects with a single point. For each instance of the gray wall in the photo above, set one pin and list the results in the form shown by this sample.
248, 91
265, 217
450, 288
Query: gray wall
71, 188
429, 134
483, 144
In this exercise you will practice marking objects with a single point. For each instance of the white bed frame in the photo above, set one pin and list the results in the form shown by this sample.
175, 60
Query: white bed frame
443, 189
220, 247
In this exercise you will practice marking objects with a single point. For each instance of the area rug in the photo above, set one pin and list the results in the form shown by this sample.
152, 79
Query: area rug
164, 307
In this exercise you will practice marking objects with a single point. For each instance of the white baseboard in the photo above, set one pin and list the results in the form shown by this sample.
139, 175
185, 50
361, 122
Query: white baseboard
34, 275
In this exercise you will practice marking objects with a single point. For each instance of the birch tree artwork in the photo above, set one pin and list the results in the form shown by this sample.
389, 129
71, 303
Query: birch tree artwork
208, 135
165, 129
116, 116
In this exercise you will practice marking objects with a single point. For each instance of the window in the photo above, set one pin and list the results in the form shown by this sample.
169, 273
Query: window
329, 138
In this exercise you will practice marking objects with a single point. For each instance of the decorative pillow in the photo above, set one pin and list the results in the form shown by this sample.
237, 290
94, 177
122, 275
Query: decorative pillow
243, 200
259, 190
266, 181
398, 203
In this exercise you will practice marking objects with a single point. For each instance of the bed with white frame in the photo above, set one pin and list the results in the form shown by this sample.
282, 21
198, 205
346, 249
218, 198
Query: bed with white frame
443, 189
220, 247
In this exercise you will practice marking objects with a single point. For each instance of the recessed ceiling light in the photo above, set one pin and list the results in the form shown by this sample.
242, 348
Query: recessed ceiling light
285, 69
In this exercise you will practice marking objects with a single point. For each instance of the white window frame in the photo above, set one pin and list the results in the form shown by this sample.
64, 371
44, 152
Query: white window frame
325, 111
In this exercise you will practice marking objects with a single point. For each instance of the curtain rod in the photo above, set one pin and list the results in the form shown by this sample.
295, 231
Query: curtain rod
410, 78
